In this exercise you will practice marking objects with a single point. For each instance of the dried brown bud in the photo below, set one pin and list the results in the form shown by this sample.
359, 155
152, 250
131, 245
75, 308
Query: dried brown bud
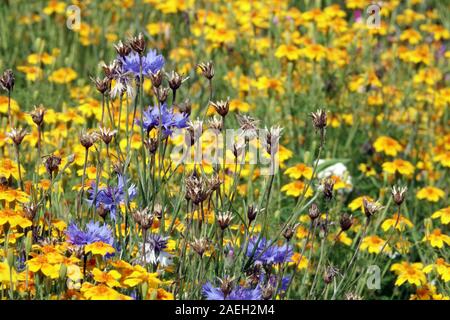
252, 212
221, 107
101, 211
30, 210
158, 211
138, 44
313, 212
319, 119
122, 49
156, 79
207, 69
7, 80
87, 140
151, 144
272, 140
289, 232
248, 125
329, 274
370, 207
175, 80
37, 115
224, 219
328, 186
215, 124
17, 135
398, 194
107, 134
161, 93
52, 163
345, 222
226, 286
200, 246
143, 218
102, 85
196, 189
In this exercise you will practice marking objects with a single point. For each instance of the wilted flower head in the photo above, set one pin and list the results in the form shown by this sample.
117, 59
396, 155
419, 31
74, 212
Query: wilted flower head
30, 209
271, 143
122, 49
37, 115
398, 194
144, 218
102, 85
175, 80
200, 246
345, 222
319, 119
87, 139
52, 163
107, 134
196, 189
289, 231
221, 107
156, 78
370, 207
207, 69
138, 44
93, 232
7, 80
313, 212
224, 219
329, 274
248, 125
161, 93
17, 135
215, 123
328, 186
252, 212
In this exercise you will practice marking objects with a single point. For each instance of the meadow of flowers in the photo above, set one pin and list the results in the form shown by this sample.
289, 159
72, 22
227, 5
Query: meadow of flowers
238, 150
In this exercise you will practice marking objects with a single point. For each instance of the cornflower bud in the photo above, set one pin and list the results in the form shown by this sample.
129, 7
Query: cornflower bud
138, 44
328, 186
107, 134
370, 207
222, 107
398, 194
345, 222
37, 115
87, 139
207, 69
7, 80
200, 246
313, 212
143, 218
161, 94
17, 135
122, 49
156, 78
175, 80
52, 163
224, 219
102, 85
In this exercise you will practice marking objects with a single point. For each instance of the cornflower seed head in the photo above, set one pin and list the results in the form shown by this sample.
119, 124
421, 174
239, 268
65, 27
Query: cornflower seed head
289, 231
122, 49
214, 182
112, 70
222, 107
272, 139
30, 210
102, 85
319, 119
370, 207
52, 164
267, 291
194, 131
248, 125
345, 222
252, 212
196, 189
7, 80
215, 124
399, 194
328, 186
37, 115
143, 218
107, 134
329, 274
175, 80
313, 212
17, 135
224, 219
161, 93
156, 78
207, 69
151, 144
226, 285
200, 246
87, 139
138, 44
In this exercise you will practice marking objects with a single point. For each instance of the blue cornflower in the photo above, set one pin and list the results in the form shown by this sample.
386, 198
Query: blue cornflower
170, 120
151, 63
268, 255
238, 293
111, 197
93, 232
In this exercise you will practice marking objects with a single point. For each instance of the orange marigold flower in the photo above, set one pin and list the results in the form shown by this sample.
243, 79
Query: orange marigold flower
431, 194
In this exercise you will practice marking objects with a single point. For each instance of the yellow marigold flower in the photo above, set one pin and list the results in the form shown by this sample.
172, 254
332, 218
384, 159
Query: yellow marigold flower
13, 218
54, 6
297, 188
398, 165
11, 195
342, 238
427, 292
288, 51
430, 193
63, 75
411, 35
301, 264
10, 168
444, 214
409, 272
442, 268
42, 263
358, 203
12, 237
161, 294
399, 221
102, 292
437, 238
443, 158
140, 275
4, 105
32, 73
265, 83
100, 248
298, 171
387, 145
373, 244
109, 278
